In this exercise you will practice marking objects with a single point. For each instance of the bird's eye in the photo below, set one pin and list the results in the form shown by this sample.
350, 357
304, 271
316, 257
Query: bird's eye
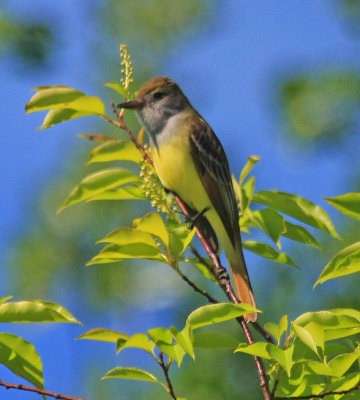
159, 95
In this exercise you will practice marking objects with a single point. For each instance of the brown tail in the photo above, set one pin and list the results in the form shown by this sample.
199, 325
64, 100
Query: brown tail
241, 282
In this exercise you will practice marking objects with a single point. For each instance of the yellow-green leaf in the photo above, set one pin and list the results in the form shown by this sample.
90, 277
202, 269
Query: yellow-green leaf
203, 269
59, 115
35, 311
20, 356
49, 97
114, 252
264, 250
123, 236
132, 373
345, 262
138, 341
306, 337
270, 222
183, 339
120, 150
117, 87
348, 204
154, 224
299, 234
64, 97
103, 335
128, 192
97, 183
277, 330
298, 208
215, 313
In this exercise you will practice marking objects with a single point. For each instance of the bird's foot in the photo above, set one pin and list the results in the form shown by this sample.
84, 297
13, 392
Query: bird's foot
195, 218
223, 276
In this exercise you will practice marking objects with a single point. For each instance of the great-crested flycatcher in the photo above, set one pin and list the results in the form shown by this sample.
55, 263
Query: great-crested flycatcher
190, 161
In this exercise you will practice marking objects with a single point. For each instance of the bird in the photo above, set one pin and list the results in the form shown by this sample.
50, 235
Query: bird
191, 163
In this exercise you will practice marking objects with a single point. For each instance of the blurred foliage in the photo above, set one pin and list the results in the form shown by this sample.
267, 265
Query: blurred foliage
321, 107
351, 12
150, 27
32, 42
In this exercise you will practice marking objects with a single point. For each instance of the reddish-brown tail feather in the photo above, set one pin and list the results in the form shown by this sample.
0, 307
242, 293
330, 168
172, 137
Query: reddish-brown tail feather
242, 284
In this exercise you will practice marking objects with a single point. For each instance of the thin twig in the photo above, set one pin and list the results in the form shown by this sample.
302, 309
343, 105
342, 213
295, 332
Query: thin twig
201, 260
42, 392
196, 288
221, 273
265, 334
320, 395
165, 369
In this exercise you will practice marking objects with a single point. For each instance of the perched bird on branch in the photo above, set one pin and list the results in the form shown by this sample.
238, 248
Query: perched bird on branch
190, 162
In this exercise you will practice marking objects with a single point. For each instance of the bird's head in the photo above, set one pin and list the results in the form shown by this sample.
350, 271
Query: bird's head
157, 100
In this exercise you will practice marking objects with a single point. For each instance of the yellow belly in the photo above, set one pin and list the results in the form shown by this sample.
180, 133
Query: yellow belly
177, 172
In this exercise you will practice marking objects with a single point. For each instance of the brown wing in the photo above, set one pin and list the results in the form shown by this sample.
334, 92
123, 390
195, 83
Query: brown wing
213, 167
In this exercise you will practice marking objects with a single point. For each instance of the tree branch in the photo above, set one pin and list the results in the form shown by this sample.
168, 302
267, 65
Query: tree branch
221, 273
42, 392
165, 369
320, 395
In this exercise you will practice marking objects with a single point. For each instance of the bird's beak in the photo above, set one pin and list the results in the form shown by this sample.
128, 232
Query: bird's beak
134, 104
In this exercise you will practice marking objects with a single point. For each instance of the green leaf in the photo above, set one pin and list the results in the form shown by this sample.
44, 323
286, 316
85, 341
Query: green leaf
345, 262
129, 192
336, 323
246, 193
183, 339
59, 115
264, 250
277, 330
299, 234
48, 97
114, 252
298, 208
180, 238
21, 358
117, 87
214, 340
163, 339
205, 271
307, 338
97, 183
103, 335
341, 363
252, 160
34, 311
122, 236
271, 223
64, 103
120, 150
348, 204
132, 373
215, 313
160, 334
154, 224
138, 341
269, 351
52, 97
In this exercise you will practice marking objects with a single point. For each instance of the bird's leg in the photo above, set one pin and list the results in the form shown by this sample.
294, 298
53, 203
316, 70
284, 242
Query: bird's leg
223, 276
196, 218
